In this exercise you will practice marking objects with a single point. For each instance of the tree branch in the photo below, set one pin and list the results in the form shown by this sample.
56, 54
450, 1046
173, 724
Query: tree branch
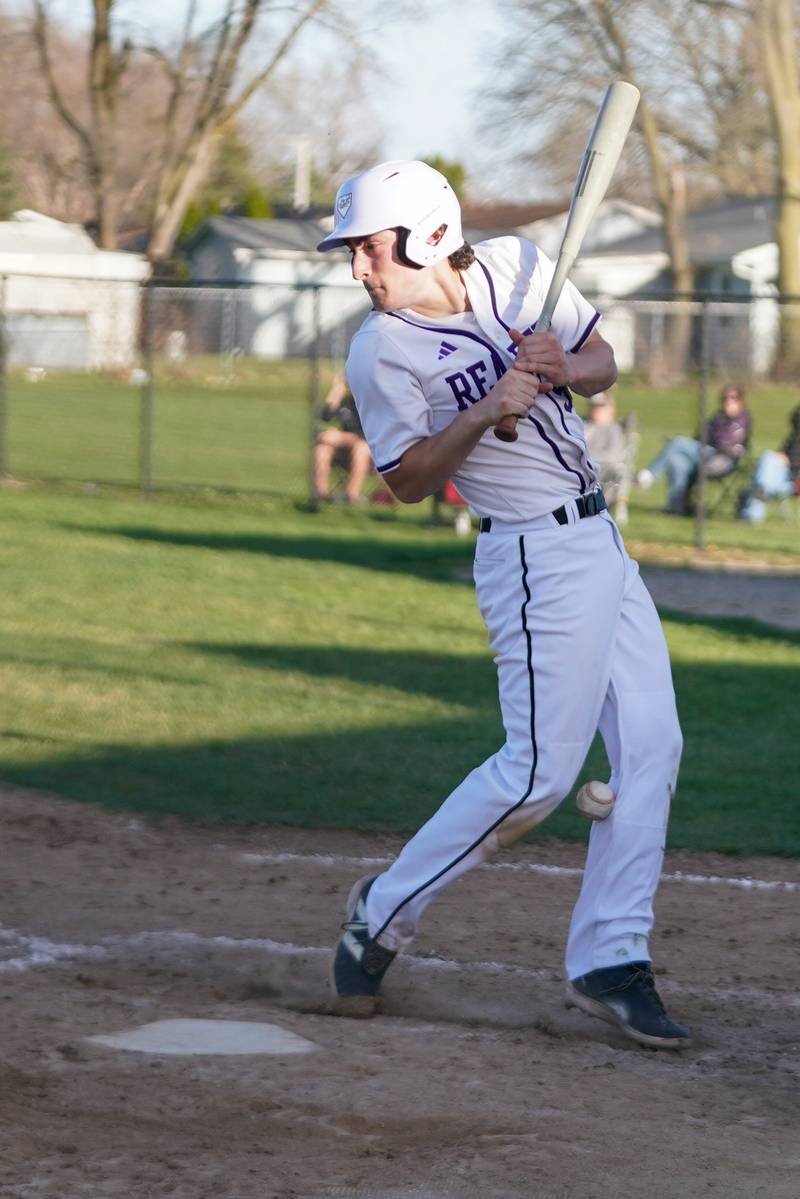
311, 12
53, 90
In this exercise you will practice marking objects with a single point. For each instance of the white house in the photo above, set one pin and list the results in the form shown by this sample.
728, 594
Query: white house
623, 266
66, 303
279, 263
731, 249
285, 277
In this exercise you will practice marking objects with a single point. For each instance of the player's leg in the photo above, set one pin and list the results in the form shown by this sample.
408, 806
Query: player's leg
550, 602
639, 723
608, 953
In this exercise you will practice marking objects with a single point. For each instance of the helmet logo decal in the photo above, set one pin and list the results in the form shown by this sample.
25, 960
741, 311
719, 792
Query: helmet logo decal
343, 205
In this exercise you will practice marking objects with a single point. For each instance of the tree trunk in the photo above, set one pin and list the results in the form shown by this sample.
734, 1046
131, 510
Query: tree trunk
102, 104
668, 185
783, 83
167, 223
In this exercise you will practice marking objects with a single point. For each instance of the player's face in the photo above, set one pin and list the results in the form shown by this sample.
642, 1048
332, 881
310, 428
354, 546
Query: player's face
390, 283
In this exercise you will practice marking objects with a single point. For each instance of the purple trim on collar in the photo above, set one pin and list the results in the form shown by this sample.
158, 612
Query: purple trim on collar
585, 333
382, 470
500, 321
557, 453
493, 296
497, 361
581, 340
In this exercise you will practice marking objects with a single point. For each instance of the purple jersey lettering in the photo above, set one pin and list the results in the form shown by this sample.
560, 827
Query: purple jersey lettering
477, 372
460, 386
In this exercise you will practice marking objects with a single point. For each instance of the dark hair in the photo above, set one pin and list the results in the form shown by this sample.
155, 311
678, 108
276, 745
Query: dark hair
737, 387
461, 259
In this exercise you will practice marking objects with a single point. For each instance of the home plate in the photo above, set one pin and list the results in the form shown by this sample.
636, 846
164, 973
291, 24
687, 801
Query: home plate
206, 1036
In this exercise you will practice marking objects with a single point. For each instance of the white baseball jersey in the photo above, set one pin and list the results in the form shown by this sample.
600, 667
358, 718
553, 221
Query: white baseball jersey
411, 375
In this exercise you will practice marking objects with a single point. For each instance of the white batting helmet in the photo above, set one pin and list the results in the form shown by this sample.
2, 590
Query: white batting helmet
405, 195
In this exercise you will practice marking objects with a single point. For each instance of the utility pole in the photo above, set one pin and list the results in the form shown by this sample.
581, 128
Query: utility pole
302, 174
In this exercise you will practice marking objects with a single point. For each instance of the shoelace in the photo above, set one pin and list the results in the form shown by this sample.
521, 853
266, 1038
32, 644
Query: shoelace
645, 977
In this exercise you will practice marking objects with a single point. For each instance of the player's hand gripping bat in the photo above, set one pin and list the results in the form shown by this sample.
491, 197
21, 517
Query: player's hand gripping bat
597, 166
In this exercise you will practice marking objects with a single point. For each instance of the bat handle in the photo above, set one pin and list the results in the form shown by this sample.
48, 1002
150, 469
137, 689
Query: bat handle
506, 430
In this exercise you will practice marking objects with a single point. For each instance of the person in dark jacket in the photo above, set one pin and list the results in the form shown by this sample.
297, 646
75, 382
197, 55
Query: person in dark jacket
776, 476
727, 439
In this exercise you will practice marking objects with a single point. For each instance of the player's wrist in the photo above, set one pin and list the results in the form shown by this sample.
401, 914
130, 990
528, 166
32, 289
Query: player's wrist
481, 416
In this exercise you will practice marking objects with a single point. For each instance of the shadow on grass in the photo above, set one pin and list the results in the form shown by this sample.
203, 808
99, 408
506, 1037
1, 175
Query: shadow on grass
732, 626
736, 793
443, 561
451, 678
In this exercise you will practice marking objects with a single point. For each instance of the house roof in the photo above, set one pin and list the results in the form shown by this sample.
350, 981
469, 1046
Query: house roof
491, 220
303, 234
298, 234
30, 232
33, 244
716, 232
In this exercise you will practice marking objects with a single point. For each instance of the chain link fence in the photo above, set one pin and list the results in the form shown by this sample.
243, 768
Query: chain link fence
221, 387
167, 387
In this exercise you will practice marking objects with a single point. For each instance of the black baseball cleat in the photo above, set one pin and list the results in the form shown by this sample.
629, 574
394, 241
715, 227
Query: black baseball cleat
359, 962
627, 996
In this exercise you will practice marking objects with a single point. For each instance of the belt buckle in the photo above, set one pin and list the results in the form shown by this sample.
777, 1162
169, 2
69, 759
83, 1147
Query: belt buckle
590, 504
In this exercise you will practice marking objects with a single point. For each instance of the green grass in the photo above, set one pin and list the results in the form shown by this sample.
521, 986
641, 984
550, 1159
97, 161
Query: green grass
245, 661
241, 428
246, 426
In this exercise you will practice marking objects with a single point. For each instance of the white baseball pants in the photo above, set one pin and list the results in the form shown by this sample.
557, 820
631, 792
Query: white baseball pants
578, 645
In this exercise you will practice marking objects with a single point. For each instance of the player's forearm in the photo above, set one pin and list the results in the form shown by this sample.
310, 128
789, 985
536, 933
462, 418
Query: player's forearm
593, 368
428, 465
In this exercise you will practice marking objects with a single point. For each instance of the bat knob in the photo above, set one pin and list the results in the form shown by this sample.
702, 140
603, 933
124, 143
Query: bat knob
506, 430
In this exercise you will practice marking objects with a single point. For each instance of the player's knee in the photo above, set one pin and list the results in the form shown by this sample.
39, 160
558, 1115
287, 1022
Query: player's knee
546, 773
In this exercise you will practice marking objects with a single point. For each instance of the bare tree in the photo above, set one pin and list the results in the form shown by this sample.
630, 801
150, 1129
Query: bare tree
204, 85
346, 132
687, 100
772, 28
46, 164
96, 135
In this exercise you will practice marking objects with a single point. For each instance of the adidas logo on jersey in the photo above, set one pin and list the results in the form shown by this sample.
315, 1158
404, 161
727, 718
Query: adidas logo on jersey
445, 350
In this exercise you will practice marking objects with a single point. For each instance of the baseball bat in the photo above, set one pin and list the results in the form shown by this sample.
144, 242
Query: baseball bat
597, 166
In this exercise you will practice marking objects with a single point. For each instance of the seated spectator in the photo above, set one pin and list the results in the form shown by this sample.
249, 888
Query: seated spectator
346, 440
776, 476
611, 449
727, 440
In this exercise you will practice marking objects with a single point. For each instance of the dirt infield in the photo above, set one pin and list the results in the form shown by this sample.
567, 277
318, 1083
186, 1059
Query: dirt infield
475, 1081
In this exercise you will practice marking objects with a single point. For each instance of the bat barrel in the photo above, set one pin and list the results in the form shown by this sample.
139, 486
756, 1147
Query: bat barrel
597, 166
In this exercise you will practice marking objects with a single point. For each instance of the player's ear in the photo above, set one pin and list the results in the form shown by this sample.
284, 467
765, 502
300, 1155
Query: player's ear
437, 235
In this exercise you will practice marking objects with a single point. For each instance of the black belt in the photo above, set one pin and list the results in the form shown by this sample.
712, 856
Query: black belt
585, 505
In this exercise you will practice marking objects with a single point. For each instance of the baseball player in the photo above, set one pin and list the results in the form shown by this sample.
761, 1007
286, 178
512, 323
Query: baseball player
446, 353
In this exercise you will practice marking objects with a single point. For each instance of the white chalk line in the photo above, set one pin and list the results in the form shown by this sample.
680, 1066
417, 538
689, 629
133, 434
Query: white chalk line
49, 953
677, 876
